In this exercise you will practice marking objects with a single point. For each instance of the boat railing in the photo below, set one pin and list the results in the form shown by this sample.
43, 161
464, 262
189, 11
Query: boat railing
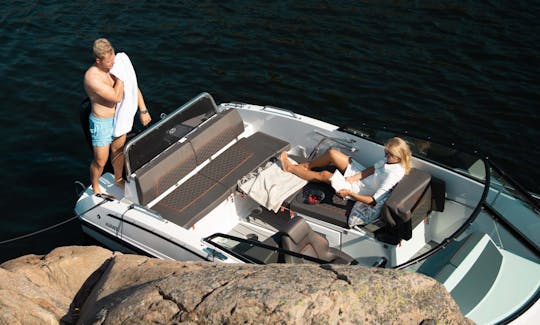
279, 110
268, 108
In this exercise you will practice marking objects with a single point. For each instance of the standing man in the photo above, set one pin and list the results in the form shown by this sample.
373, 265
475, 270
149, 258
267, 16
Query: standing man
105, 91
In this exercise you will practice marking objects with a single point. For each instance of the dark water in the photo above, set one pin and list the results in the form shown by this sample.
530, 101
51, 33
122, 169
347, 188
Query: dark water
464, 73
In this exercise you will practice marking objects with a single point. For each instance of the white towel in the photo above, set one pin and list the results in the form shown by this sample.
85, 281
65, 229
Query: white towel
270, 185
126, 109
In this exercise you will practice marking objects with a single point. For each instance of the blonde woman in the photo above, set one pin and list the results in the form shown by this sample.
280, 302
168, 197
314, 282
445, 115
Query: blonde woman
369, 187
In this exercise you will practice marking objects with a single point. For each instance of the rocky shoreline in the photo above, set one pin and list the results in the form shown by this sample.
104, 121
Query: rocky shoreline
92, 285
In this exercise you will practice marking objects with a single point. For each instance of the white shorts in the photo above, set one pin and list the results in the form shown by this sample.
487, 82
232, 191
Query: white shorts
352, 169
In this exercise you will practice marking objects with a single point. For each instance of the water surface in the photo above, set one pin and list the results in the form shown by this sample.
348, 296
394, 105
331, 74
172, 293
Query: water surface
461, 73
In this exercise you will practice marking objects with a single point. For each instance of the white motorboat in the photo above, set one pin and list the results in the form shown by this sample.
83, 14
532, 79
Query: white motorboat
456, 217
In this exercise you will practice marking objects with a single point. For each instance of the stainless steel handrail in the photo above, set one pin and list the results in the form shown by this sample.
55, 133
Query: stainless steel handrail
281, 111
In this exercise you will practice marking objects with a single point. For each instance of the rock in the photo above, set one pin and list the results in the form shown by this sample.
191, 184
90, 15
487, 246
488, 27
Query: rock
132, 289
136, 289
40, 289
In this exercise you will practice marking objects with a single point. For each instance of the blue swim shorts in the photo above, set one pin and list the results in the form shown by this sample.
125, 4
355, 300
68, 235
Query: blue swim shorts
101, 130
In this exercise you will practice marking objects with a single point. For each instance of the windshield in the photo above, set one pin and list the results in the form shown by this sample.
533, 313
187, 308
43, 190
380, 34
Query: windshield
448, 156
515, 208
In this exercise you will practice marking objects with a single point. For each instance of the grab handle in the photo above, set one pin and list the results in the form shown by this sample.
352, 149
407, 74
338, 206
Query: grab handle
280, 111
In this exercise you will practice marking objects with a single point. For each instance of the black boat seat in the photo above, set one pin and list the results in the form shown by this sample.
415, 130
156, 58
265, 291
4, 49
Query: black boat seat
215, 134
164, 171
298, 237
332, 209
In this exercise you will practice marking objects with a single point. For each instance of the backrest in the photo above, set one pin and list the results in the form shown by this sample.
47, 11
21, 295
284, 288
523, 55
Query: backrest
300, 238
156, 139
215, 134
404, 197
163, 172
409, 203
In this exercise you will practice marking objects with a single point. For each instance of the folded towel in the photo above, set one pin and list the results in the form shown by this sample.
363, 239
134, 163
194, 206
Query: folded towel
126, 109
270, 185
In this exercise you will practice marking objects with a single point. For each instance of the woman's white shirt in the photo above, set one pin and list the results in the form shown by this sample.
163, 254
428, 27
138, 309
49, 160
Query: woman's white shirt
381, 182
378, 185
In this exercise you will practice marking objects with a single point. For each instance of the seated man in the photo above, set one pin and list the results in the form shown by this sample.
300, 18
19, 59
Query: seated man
369, 187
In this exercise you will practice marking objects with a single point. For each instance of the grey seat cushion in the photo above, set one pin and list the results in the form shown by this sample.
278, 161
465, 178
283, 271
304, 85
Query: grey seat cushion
191, 201
409, 204
405, 197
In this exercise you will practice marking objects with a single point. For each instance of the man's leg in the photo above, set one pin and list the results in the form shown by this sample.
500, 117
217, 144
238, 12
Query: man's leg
117, 158
101, 154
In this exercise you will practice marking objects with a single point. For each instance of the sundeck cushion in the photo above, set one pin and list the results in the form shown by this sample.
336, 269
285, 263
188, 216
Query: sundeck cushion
215, 134
243, 157
170, 166
200, 194
195, 198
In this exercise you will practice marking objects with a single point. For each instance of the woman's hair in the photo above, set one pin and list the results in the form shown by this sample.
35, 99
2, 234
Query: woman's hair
102, 47
399, 148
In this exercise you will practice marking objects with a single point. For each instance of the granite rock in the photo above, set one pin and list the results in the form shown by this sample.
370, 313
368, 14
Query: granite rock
41, 289
95, 286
